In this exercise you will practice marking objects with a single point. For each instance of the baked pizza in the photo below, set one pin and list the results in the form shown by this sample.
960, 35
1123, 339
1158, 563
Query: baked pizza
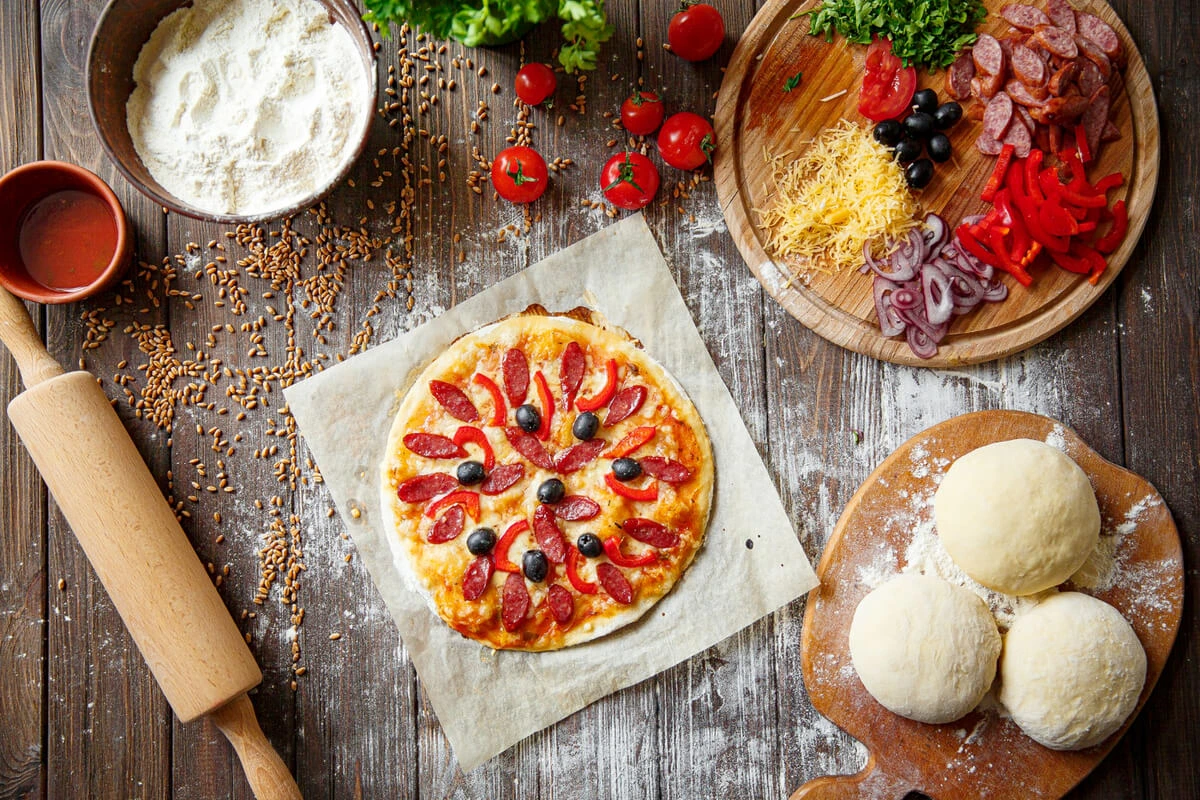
546, 482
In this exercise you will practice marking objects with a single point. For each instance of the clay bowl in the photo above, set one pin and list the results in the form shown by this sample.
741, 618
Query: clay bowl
19, 191
124, 26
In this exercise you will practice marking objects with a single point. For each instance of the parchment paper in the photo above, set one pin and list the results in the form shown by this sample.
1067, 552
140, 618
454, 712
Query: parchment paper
487, 701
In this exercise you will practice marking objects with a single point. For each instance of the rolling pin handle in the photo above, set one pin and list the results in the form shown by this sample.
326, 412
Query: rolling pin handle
268, 776
22, 340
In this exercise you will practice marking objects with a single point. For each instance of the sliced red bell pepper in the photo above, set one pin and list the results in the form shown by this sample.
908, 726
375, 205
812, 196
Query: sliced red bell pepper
470, 500
547, 400
998, 174
1056, 220
975, 248
1081, 144
996, 240
1109, 182
1029, 214
1070, 196
632, 441
471, 434
612, 549
1078, 172
574, 559
1071, 263
499, 410
500, 554
650, 492
1033, 167
1112, 240
600, 399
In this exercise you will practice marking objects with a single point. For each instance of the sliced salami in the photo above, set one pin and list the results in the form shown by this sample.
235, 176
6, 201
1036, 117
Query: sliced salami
1022, 114
998, 115
448, 525
577, 456
650, 532
420, 488
614, 582
514, 602
1018, 136
1022, 95
958, 79
574, 365
1095, 118
1055, 41
562, 604
988, 55
1090, 78
1025, 18
625, 404
1092, 52
576, 508
1061, 110
454, 400
1062, 15
549, 537
476, 578
988, 145
665, 469
1101, 33
528, 445
1064, 79
1111, 132
431, 445
1028, 66
986, 86
516, 376
502, 478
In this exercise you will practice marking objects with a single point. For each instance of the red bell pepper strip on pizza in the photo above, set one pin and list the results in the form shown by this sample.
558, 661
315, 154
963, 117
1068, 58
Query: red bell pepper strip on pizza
499, 410
500, 554
574, 559
469, 500
650, 492
612, 549
632, 441
547, 400
601, 398
468, 433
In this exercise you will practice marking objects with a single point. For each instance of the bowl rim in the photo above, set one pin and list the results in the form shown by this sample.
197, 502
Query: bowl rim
122, 252
361, 34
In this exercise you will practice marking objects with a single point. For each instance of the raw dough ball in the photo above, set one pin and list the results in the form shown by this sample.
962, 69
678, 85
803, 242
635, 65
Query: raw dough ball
1017, 516
924, 648
1072, 671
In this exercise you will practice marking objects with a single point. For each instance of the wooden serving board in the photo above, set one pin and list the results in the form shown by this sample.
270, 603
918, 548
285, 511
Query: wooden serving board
983, 754
755, 117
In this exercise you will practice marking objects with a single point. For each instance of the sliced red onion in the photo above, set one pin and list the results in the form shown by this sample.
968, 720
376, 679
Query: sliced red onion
925, 282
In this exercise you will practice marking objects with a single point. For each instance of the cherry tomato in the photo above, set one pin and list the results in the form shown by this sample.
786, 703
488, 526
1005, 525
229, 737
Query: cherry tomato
888, 86
642, 113
629, 180
535, 82
686, 141
696, 31
519, 174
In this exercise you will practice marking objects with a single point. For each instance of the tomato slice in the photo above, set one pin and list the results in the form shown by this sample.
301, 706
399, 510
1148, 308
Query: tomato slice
888, 86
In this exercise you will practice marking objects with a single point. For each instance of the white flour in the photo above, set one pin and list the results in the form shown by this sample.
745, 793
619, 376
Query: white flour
247, 106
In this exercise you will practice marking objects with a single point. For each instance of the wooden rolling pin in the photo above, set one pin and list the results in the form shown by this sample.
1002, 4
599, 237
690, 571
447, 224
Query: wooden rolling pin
135, 544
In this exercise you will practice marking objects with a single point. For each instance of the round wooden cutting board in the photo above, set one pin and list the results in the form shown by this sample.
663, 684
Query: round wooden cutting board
755, 118
983, 754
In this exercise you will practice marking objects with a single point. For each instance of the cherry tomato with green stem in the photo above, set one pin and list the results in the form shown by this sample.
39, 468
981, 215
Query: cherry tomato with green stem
642, 113
534, 83
696, 31
629, 180
519, 174
686, 141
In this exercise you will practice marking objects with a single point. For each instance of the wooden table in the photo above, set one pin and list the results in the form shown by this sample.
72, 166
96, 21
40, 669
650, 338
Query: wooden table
80, 715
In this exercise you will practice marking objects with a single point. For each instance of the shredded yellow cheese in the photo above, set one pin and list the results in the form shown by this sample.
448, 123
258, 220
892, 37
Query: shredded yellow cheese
844, 191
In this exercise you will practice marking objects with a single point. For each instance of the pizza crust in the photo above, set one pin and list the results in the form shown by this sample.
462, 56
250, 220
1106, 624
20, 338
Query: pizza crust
436, 569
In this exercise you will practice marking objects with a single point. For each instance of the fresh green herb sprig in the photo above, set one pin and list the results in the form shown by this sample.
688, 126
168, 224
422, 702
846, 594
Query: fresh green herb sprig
792, 82
924, 33
482, 23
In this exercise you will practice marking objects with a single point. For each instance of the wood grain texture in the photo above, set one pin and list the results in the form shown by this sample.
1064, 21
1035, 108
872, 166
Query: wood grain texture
753, 122
1124, 376
880, 518
23, 512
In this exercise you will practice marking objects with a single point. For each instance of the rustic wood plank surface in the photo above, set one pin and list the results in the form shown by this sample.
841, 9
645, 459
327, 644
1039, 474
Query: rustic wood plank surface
80, 715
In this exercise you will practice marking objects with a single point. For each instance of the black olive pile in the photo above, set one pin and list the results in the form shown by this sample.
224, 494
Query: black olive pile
921, 132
